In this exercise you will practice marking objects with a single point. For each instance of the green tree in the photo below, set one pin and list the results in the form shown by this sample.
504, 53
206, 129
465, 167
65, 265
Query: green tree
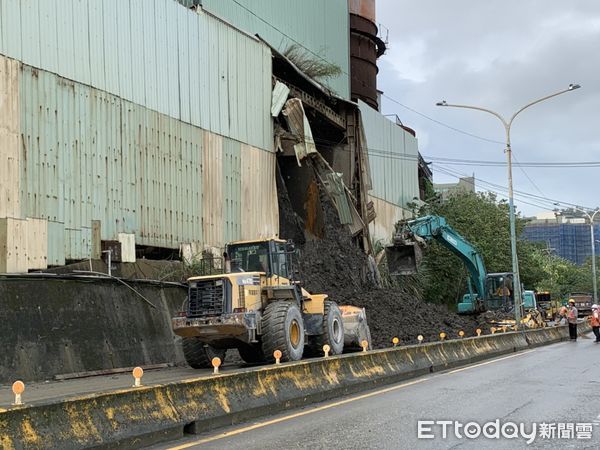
483, 220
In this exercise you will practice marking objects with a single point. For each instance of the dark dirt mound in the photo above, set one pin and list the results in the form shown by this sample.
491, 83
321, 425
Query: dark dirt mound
336, 266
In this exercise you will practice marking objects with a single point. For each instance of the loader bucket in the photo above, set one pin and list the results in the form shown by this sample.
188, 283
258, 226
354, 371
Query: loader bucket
403, 259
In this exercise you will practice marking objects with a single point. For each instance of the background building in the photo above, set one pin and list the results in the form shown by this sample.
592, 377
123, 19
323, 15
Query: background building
567, 234
465, 184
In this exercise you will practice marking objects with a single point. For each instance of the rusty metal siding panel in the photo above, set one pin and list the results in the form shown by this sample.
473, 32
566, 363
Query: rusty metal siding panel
393, 158
10, 148
212, 190
232, 190
134, 169
259, 207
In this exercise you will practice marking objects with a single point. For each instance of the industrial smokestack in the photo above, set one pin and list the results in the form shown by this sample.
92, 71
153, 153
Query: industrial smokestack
365, 48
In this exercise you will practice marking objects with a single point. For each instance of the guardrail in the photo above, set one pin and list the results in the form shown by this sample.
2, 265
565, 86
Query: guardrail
139, 416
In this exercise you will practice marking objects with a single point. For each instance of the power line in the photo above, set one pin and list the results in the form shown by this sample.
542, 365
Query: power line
374, 151
439, 122
532, 197
528, 177
502, 192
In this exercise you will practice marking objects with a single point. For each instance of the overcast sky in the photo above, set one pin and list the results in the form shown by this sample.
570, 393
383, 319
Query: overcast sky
500, 55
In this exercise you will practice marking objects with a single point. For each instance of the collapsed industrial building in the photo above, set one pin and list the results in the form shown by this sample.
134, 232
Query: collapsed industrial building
135, 145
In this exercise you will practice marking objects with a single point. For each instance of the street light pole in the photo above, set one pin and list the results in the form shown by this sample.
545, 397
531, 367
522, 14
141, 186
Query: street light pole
513, 233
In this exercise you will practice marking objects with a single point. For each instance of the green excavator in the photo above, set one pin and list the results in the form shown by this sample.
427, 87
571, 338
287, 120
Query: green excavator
487, 291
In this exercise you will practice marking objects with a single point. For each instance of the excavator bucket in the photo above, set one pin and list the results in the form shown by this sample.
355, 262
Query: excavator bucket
403, 259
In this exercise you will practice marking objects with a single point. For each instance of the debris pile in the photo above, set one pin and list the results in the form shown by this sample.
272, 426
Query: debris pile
336, 266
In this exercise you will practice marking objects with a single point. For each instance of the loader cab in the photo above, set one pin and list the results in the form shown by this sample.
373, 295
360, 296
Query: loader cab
273, 257
499, 289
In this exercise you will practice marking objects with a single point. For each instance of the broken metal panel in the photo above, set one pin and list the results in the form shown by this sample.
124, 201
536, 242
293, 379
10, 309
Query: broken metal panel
298, 123
335, 187
280, 96
340, 195
311, 101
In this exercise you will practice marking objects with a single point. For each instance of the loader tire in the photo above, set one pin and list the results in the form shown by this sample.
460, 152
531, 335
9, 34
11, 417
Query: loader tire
251, 354
283, 330
333, 330
198, 355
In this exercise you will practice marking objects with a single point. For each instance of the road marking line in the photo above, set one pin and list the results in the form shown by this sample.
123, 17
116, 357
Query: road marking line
487, 362
331, 405
295, 415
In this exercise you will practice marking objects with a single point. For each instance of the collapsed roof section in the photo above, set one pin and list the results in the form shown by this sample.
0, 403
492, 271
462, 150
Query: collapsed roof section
321, 147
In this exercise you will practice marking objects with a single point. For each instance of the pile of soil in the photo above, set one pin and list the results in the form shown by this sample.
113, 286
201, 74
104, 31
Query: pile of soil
334, 265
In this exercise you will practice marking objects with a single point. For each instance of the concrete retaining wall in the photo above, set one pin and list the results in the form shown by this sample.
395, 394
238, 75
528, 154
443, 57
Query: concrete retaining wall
134, 417
42, 322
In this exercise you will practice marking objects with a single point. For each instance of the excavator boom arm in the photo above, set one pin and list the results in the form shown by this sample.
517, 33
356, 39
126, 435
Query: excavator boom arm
435, 227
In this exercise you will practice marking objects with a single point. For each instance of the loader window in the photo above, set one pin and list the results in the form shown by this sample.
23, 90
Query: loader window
280, 260
249, 257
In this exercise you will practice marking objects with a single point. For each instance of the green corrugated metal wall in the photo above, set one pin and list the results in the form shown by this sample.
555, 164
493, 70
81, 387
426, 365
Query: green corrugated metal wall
322, 26
393, 158
90, 156
155, 53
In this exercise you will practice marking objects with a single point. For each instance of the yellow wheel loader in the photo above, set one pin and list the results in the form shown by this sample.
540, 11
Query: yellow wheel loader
257, 305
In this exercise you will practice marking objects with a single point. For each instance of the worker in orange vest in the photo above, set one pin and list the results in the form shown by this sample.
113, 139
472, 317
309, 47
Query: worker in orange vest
595, 322
572, 315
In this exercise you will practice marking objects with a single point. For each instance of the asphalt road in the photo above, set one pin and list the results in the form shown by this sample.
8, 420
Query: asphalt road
557, 384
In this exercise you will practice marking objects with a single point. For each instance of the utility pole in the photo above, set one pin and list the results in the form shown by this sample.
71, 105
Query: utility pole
508, 150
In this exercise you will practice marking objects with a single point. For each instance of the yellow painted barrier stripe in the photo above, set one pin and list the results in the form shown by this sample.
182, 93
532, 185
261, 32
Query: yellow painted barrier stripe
331, 405
293, 416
